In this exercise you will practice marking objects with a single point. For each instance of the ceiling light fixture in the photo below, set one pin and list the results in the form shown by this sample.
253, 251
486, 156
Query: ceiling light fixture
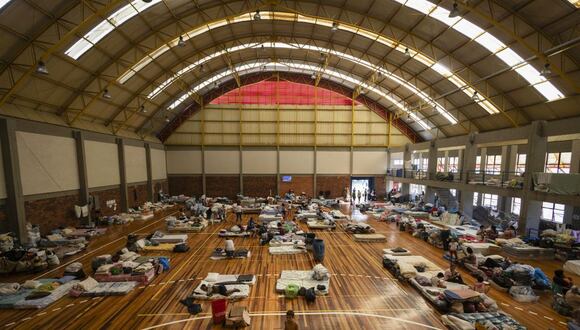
106, 94
475, 97
313, 76
201, 68
334, 27
407, 52
142, 109
455, 11
181, 42
167, 119
546, 72
257, 16
41, 68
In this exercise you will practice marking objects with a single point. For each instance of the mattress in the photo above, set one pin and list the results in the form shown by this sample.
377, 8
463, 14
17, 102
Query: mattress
482, 248
265, 218
572, 266
8, 301
56, 294
431, 293
529, 252
320, 225
391, 252
223, 256
170, 238
187, 229
285, 249
407, 265
336, 214
369, 237
107, 289
214, 278
495, 318
470, 231
144, 278
302, 278
87, 232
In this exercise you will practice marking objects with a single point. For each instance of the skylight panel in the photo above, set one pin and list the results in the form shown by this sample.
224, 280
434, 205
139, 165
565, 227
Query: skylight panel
421, 5
509, 57
530, 74
490, 42
4, 3
548, 90
441, 14
575, 3
107, 26
468, 29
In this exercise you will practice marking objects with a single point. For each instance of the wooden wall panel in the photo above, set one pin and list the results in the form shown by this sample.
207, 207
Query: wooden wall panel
259, 185
189, 185
222, 186
334, 184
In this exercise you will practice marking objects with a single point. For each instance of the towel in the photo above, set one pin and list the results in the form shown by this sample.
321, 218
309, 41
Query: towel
9, 288
86, 285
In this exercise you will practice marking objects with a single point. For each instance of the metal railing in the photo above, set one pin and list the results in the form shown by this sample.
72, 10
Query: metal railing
513, 180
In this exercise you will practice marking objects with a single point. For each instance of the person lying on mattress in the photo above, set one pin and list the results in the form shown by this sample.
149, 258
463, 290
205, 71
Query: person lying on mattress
230, 248
438, 281
470, 258
220, 289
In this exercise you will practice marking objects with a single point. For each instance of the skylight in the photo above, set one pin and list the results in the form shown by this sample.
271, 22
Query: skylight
255, 66
3, 3
490, 42
107, 26
389, 75
453, 78
575, 3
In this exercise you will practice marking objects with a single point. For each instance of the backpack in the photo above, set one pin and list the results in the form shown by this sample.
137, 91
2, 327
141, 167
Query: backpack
310, 295
183, 247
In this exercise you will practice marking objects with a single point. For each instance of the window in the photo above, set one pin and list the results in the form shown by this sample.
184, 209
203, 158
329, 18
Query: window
553, 212
397, 162
558, 162
477, 164
416, 189
425, 166
453, 165
489, 200
440, 164
493, 164
453, 192
475, 198
520, 163
516, 205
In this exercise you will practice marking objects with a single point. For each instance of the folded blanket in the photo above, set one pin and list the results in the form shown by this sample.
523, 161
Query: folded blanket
9, 288
86, 285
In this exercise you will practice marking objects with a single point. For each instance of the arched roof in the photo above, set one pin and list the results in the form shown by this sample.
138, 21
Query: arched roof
495, 64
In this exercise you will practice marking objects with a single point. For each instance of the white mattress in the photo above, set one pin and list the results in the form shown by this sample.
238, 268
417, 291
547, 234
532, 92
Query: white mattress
319, 225
170, 238
572, 266
56, 294
269, 217
302, 278
285, 250
369, 237
482, 248
244, 292
232, 234
407, 265
110, 289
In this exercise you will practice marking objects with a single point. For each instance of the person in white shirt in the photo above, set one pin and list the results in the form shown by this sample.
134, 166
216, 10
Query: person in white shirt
230, 248
238, 210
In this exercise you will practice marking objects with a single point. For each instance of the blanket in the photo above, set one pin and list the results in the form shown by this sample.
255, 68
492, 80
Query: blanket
159, 237
369, 237
302, 278
43, 302
286, 249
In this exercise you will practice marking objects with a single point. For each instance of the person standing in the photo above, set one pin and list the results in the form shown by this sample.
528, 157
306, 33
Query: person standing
365, 195
290, 323
359, 195
238, 210
353, 195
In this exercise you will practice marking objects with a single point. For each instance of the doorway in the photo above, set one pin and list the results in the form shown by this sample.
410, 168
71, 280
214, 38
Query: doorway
362, 185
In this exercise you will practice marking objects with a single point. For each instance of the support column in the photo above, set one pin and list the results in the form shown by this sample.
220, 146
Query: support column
506, 151
241, 172
431, 171
82, 171
277, 170
203, 170
446, 165
405, 188
122, 175
574, 168
149, 172
535, 162
468, 164
15, 212
315, 175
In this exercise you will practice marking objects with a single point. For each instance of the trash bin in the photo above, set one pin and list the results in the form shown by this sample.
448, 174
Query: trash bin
318, 250
218, 311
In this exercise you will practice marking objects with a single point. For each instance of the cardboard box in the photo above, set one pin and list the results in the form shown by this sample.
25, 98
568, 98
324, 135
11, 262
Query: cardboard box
238, 316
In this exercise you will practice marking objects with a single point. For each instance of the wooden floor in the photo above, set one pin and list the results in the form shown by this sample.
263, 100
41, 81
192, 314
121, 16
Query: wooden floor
362, 293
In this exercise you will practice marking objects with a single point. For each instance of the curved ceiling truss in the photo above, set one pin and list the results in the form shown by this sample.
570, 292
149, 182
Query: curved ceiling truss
329, 15
297, 77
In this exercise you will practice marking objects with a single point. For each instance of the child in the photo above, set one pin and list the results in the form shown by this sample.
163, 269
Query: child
290, 323
438, 281
453, 246
480, 286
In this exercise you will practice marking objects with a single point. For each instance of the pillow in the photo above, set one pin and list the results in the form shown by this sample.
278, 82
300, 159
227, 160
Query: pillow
212, 277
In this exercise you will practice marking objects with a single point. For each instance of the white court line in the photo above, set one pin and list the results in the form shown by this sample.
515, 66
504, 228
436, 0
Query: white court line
303, 314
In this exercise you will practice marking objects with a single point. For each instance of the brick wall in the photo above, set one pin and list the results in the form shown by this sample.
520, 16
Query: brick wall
300, 183
137, 195
160, 185
380, 187
259, 185
51, 213
185, 185
107, 195
222, 186
332, 183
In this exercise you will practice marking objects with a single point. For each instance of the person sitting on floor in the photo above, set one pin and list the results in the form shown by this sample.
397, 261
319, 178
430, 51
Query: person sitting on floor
438, 281
281, 230
491, 233
480, 286
562, 281
220, 289
453, 247
251, 225
470, 258
230, 248
452, 275
509, 233
481, 233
